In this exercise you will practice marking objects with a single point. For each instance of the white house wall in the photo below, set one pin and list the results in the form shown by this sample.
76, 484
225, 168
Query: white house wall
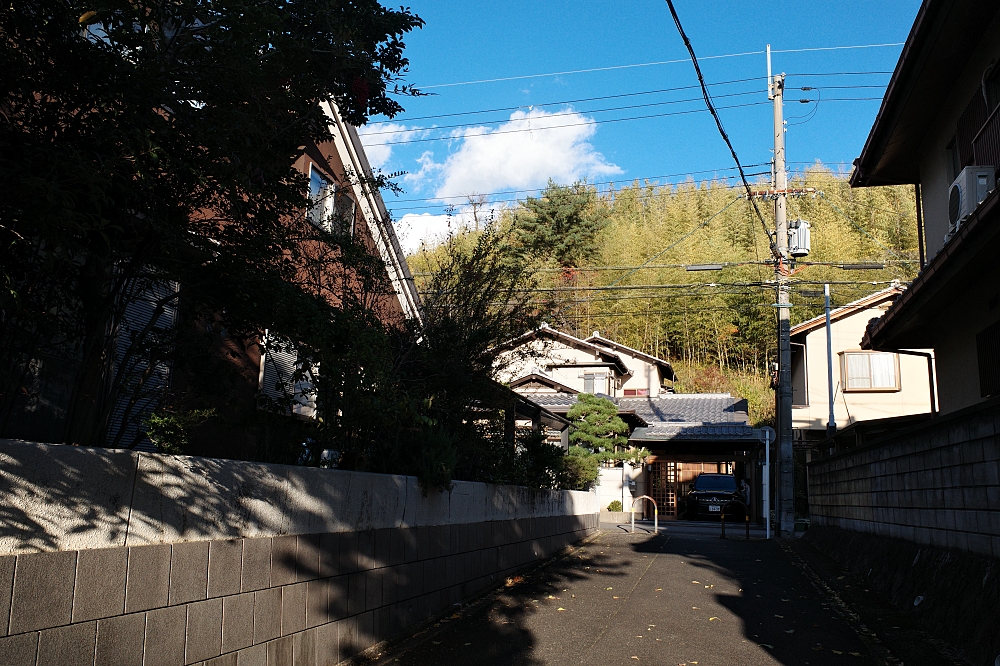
912, 398
538, 354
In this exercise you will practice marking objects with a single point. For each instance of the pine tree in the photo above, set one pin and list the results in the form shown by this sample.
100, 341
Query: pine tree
598, 425
562, 224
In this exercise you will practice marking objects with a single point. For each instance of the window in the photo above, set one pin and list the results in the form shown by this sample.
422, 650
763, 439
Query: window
636, 392
321, 197
869, 371
595, 383
800, 396
330, 208
988, 357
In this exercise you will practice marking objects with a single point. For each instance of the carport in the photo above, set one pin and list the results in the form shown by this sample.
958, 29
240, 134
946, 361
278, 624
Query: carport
682, 451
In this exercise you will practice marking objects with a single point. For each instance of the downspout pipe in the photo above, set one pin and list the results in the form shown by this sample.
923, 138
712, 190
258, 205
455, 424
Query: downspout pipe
931, 378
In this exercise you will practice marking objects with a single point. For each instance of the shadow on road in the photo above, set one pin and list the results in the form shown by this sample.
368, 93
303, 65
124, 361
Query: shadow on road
682, 597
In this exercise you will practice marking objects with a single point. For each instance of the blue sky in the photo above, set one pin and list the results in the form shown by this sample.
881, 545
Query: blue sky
543, 127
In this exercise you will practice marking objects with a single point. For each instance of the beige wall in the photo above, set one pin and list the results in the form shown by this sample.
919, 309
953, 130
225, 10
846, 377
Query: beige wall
935, 176
912, 398
542, 353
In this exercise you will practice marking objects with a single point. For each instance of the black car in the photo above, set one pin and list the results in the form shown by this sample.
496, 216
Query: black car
709, 494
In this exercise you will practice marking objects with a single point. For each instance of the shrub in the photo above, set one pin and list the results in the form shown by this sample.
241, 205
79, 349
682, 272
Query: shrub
615, 507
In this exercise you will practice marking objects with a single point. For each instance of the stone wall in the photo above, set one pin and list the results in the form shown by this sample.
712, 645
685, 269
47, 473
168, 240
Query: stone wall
936, 484
110, 557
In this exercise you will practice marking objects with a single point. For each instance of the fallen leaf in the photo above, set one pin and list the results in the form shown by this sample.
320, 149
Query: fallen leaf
854, 654
781, 616
614, 597
466, 644
436, 642
695, 608
635, 657
765, 644
790, 631
659, 589
707, 587
608, 588
696, 582
712, 618
836, 651
550, 597
560, 609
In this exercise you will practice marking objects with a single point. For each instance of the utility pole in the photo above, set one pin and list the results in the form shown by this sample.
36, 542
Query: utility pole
785, 499
831, 423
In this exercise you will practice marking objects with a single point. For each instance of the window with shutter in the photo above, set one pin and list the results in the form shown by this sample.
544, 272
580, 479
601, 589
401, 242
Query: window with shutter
141, 376
285, 379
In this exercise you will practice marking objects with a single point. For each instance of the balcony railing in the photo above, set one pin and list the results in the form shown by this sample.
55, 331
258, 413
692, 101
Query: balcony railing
986, 143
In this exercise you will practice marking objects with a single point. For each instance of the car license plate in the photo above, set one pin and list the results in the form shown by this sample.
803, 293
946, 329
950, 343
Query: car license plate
715, 507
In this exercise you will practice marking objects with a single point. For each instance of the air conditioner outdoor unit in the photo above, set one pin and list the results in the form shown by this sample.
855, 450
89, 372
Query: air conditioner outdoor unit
967, 192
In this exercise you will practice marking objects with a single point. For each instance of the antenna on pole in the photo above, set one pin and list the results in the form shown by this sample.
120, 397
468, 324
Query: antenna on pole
770, 91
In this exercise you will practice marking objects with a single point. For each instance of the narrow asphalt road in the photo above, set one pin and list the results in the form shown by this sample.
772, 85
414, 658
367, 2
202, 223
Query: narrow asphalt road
681, 597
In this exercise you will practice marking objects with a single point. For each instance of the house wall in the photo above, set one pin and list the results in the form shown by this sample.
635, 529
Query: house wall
116, 557
935, 170
542, 353
846, 333
645, 375
610, 487
937, 484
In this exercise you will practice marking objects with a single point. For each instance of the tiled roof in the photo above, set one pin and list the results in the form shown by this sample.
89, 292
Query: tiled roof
698, 408
664, 432
687, 409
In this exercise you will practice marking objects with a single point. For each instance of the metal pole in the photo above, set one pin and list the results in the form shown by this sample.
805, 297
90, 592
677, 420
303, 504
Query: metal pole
831, 424
767, 484
786, 479
920, 224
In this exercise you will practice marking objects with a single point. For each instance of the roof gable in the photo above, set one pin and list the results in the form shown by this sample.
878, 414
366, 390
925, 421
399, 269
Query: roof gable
851, 309
668, 369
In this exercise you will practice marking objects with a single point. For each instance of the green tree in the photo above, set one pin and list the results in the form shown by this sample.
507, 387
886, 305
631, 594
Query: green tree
598, 426
580, 469
562, 224
152, 143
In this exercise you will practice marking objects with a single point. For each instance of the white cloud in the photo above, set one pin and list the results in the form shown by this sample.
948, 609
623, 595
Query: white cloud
375, 137
485, 160
522, 154
414, 229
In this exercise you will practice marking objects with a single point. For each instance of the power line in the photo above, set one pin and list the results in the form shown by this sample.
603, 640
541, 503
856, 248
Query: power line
583, 99
605, 182
715, 114
538, 129
558, 114
569, 101
652, 64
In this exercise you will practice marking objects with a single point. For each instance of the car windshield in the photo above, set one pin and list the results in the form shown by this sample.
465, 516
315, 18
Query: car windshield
715, 482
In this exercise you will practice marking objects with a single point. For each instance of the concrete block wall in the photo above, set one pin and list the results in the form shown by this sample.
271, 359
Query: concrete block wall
123, 558
935, 485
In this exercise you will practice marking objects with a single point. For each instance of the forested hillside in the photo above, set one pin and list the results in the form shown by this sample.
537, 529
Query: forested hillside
624, 268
